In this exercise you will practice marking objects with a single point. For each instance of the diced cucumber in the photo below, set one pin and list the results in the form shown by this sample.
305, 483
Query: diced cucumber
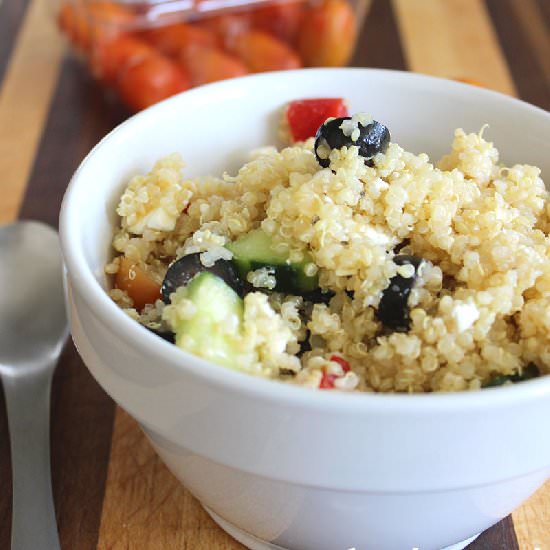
254, 250
214, 331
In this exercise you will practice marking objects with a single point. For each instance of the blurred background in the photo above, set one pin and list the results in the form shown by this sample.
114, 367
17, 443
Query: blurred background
71, 70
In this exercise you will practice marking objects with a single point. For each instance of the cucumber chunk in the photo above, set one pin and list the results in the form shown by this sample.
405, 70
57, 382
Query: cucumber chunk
214, 331
254, 250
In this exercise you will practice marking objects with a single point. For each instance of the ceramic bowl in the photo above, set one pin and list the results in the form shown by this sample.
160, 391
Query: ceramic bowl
281, 466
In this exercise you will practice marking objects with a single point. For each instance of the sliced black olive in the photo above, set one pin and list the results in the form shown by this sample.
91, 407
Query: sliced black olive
183, 270
373, 138
286, 372
527, 373
318, 296
393, 310
167, 335
305, 345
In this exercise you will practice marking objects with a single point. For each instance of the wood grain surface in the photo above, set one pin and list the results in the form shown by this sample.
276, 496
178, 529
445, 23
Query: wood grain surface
111, 490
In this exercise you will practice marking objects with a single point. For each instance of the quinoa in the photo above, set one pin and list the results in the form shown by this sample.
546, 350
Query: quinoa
480, 306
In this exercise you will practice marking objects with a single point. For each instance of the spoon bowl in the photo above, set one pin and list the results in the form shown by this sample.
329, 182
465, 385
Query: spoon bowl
33, 329
34, 324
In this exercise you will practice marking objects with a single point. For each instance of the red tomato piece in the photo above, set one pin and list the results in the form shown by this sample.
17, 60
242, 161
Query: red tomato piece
341, 361
304, 116
327, 381
151, 80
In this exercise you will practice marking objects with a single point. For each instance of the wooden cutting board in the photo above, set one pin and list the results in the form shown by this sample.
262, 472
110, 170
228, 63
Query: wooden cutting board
111, 490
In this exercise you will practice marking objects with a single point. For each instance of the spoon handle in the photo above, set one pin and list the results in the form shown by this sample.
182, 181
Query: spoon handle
33, 515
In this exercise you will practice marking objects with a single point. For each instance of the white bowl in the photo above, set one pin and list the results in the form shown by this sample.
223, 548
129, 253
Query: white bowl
273, 463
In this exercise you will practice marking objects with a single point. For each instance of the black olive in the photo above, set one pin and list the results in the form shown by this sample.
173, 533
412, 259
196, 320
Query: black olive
167, 335
393, 310
305, 345
183, 270
318, 296
527, 373
373, 138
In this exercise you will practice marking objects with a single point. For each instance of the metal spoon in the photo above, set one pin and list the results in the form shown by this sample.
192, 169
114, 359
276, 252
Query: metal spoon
33, 328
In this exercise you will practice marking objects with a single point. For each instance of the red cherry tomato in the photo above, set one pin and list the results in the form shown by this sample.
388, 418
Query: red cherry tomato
149, 81
205, 65
304, 116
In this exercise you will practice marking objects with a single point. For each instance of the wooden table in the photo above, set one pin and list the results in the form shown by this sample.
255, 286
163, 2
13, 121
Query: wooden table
110, 489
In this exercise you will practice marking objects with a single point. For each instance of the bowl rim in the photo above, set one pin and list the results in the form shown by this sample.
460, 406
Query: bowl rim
177, 360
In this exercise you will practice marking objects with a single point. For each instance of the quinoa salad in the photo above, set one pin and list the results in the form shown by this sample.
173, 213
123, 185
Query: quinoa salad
343, 262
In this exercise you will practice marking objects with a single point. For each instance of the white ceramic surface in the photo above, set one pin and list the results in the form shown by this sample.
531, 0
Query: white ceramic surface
303, 469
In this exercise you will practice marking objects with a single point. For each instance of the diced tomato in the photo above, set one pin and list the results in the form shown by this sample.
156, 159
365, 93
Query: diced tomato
327, 381
151, 80
137, 283
341, 361
304, 116
204, 64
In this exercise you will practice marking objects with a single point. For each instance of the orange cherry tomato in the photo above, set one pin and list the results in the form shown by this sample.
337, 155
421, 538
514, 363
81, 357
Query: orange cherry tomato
205, 65
72, 22
228, 27
328, 32
96, 21
150, 80
282, 19
263, 52
137, 283
172, 40
111, 57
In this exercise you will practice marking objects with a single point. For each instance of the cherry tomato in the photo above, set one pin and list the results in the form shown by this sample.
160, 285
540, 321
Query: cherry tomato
137, 283
304, 116
71, 21
150, 80
210, 64
282, 19
172, 40
96, 21
327, 36
228, 27
263, 52
111, 57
